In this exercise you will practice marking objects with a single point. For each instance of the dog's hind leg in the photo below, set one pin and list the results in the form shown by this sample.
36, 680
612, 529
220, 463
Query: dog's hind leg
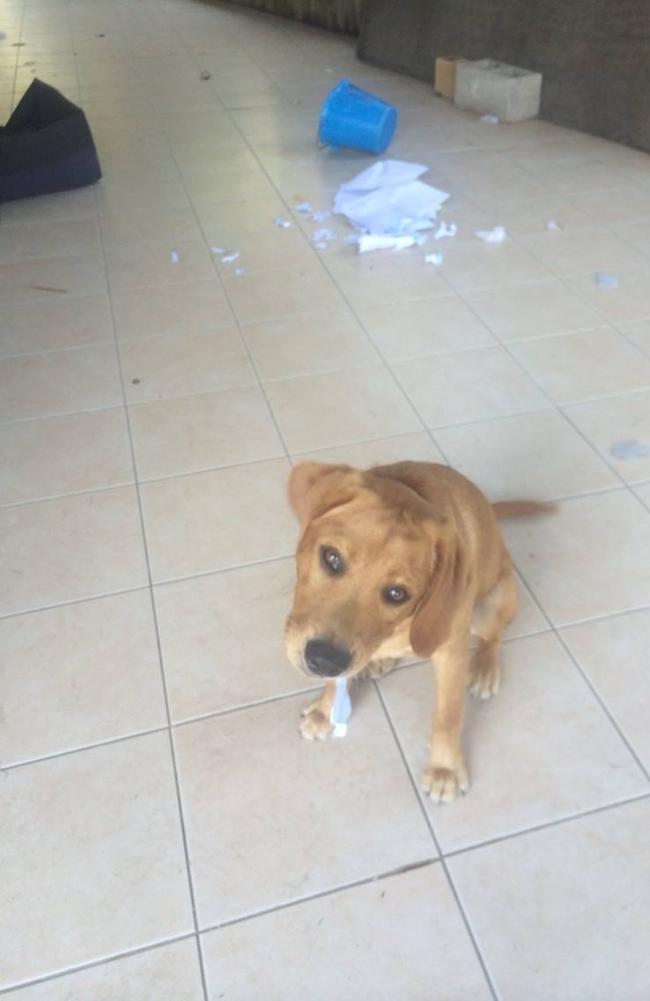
490, 618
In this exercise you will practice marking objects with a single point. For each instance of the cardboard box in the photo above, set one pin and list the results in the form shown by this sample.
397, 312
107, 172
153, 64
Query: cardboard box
489, 87
444, 78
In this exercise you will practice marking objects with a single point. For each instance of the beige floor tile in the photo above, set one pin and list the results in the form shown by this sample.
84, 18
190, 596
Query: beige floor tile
613, 653
70, 548
584, 561
59, 382
620, 430
583, 365
60, 455
49, 278
561, 891
329, 935
308, 817
520, 776
79, 675
470, 264
182, 364
581, 251
142, 264
222, 639
110, 814
532, 215
172, 226
637, 234
49, 208
277, 294
41, 326
639, 333
615, 204
272, 249
300, 345
643, 493
195, 308
521, 312
22, 241
225, 223
532, 455
318, 411
626, 303
424, 327
130, 978
468, 386
396, 277
128, 195
200, 432
210, 521
417, 447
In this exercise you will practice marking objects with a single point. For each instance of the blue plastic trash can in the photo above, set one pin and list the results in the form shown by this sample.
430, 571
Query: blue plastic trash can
352, 117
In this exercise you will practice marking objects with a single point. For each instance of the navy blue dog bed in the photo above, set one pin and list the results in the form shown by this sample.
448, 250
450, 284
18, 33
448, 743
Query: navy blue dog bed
46, 146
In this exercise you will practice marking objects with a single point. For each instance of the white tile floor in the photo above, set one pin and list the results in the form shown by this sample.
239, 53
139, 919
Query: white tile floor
164, 833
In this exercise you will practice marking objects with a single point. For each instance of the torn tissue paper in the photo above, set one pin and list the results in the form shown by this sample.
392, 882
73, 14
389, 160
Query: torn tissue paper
434, 258
375, 241
445, 229
341, 708
388, 199
496, 235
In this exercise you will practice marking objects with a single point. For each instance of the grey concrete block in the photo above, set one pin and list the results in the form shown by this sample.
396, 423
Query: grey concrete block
491, 87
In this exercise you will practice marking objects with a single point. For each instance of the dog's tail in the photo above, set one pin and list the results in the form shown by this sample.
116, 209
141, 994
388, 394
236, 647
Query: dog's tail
522, 508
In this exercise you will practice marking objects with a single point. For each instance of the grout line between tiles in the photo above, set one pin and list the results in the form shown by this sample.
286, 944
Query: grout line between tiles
92, 964
13, 765
429, 823
546, 825
163, 680
329, 892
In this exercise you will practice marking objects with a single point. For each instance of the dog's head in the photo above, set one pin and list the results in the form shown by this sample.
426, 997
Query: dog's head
374, 563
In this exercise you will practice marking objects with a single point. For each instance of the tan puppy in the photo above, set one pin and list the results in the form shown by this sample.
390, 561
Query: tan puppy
397, 560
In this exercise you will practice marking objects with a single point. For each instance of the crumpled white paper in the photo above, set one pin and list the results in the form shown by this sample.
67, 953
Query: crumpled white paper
388, 199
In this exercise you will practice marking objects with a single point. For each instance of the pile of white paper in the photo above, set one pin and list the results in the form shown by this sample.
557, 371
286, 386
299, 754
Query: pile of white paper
388, 199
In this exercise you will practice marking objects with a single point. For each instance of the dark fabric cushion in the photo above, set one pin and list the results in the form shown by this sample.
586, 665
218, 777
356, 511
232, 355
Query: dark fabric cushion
46, 146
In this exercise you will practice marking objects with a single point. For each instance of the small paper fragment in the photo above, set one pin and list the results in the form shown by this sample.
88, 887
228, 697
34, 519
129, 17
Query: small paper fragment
230, 257
552, 225
606, 279
282, 223
434, 258
445, 229
218, 250
490, 119
496, 235
324, 235
174, 258
303, 207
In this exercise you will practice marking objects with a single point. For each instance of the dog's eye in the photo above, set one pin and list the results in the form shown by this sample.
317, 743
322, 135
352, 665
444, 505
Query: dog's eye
395, 595
332, 560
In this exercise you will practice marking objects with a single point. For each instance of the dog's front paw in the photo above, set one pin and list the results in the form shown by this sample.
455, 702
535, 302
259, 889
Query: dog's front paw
443, 785
314, 724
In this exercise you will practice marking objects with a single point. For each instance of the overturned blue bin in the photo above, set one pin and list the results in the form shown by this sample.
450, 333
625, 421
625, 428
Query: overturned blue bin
354, 118
46, 146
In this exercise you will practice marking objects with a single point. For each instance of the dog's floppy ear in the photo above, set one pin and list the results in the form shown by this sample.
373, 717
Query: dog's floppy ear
315, 487
433, 618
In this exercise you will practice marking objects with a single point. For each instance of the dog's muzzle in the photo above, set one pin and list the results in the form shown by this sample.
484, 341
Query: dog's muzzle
325, 659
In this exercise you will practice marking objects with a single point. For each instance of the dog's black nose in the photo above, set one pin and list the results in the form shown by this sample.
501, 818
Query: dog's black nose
325, 659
